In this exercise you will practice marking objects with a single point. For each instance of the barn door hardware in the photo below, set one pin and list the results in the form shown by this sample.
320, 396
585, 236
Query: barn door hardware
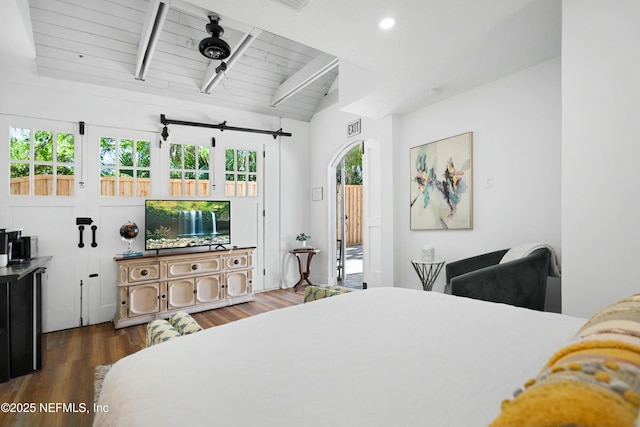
80, 242
221, 126
81, 222
93, 236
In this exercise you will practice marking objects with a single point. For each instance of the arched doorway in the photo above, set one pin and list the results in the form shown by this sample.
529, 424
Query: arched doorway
346, 237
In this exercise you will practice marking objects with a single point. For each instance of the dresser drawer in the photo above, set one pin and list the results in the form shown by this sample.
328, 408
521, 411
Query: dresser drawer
194, 266
238, 261
143, 272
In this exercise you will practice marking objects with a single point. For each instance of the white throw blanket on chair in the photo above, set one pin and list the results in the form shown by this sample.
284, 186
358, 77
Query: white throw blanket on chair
525, 249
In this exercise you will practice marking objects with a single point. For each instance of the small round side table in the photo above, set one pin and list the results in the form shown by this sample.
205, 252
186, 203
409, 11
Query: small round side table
427, 272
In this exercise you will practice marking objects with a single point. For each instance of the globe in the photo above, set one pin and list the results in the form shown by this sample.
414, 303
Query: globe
128, 232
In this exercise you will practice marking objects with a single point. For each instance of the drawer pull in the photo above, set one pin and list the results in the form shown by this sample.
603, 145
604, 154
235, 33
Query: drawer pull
236, 261
144, 272
194, 267
124, 303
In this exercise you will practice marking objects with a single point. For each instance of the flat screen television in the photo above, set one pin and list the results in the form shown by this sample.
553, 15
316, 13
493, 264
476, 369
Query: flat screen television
171, 224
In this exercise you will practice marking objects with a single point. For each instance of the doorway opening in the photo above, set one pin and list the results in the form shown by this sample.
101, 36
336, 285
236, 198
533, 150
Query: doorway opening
348, 203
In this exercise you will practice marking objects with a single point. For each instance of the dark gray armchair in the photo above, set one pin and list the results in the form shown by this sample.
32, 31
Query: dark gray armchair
521, 282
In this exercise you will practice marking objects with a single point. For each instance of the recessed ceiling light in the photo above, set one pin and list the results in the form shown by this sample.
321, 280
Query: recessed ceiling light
387, 23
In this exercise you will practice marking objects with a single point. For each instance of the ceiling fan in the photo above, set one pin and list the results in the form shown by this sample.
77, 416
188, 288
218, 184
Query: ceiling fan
214, 47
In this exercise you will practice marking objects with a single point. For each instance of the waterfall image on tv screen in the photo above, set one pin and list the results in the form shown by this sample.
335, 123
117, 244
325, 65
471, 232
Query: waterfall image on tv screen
186, 223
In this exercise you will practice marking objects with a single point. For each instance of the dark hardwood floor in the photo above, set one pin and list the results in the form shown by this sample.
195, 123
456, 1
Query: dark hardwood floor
63, 388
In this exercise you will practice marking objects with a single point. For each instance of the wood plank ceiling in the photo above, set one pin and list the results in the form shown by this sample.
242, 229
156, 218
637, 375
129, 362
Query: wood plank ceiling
96, 41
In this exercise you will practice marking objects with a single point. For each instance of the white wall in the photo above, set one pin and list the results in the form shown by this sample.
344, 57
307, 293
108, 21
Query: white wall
328, 133
22, 94
601, 134
296, 197
329, 137
516, 127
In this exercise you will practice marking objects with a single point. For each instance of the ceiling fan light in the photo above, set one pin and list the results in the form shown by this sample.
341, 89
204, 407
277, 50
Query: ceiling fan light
214, 48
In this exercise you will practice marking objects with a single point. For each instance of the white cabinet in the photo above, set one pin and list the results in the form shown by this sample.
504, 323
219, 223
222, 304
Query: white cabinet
153, 287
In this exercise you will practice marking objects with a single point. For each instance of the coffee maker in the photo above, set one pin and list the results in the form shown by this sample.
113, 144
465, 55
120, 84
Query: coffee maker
17, 247
23, 248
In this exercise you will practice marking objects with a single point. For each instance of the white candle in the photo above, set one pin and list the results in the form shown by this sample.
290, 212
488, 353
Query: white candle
428, 253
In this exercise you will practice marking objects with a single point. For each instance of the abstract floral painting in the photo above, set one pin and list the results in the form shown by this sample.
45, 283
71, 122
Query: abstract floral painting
442, 185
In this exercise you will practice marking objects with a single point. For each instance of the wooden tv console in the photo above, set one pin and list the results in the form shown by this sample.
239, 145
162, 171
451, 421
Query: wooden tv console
155, 287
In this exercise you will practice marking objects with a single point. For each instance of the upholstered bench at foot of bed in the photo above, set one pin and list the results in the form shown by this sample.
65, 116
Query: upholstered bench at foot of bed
313, 292
180, 323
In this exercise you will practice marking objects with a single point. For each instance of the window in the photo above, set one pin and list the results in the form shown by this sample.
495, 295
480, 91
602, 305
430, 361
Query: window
125, 167
241, 177
189, 170
41, 162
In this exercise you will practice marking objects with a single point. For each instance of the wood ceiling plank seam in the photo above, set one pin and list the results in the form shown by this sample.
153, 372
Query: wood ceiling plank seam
192, 21
285, 50
280, 51
289, 44
181, 52
86, 60
176, 72
83, 27
88, 39
193, 33
98, 73
81, 48
256, 80
141, 6
238, 85
295, 46
257, 64
303, 102
108, 7
157, 88
168, 58
162, 74
128, 10
87, 69
297, 101
277, 78
81, 56
125, 19
275, 60
291, 62
248, 74
245, 104
87, 19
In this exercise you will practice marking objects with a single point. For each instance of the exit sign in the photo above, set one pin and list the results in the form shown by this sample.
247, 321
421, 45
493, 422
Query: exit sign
354, 128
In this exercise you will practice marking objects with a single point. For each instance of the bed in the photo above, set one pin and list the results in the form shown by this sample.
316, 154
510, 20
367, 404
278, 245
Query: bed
380, 357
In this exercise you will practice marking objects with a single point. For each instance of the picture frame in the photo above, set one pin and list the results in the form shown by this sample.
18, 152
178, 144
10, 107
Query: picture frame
441, 184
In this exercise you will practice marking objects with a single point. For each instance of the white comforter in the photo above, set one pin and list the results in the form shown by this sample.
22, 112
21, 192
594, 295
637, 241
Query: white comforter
380, 357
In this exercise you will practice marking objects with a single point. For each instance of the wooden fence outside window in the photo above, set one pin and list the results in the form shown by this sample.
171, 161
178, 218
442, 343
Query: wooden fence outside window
353, 210
43, 186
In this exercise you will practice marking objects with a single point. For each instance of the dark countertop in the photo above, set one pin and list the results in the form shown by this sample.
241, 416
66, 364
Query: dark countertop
15, 272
